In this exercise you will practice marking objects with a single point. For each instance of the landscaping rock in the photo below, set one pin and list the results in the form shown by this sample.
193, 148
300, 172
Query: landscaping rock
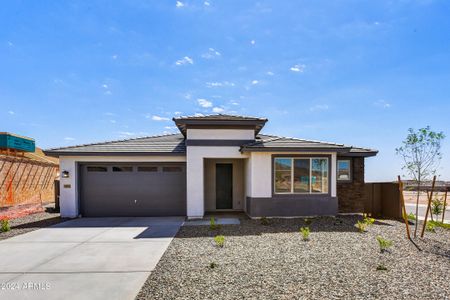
273, 262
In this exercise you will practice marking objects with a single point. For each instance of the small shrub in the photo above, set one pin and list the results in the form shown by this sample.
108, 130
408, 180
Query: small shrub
213, 265
308, 221
369, 221
381, 268
265, 221
305, 233
384, 244
361, 225
220, 240
411, 217
5, 225
431, 227
213, 225
439, 224
437, 207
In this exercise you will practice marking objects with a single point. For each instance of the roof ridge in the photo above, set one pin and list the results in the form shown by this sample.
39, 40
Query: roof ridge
113, 141
219, 114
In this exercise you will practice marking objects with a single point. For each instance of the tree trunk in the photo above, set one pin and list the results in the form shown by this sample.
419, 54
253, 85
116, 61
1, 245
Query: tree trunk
417, 209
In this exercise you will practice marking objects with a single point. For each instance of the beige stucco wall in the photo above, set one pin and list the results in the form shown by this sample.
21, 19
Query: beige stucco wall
238, 183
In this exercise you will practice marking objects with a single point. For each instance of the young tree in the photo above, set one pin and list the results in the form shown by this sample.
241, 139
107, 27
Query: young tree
421, 153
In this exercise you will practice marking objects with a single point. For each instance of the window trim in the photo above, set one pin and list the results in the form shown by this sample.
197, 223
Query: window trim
297, 156
350, 170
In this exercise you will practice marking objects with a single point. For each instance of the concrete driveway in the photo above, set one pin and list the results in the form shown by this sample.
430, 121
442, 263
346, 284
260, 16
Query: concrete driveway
88, 258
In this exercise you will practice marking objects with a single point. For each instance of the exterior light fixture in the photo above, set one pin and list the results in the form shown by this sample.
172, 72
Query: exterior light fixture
65, 174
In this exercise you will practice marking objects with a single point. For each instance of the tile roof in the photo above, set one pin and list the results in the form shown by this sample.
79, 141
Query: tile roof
164, 144
174, 144
223, 117
273, 143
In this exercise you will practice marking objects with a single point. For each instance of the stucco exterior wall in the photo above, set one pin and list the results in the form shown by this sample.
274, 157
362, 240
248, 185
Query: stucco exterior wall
69, 186
221, 134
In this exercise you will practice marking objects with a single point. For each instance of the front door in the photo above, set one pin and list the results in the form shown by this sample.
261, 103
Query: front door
224, 186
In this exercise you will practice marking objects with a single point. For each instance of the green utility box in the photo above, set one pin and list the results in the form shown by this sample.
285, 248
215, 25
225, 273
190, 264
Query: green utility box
16, 142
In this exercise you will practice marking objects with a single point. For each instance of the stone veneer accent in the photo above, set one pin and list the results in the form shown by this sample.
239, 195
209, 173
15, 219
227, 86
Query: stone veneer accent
351, 195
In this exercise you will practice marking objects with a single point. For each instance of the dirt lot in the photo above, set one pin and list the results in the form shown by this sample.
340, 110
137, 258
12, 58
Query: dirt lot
410, 197
273, 262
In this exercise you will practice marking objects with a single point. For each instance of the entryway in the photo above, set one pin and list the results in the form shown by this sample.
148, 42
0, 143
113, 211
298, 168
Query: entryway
224, 185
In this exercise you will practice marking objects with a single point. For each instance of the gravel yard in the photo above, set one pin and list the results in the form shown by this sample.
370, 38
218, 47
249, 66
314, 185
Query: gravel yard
273, 262
31, 222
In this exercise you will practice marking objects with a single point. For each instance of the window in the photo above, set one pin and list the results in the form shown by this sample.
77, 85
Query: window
301, 175
147, 169
344, 170
283, 172
96, 169
122, 169
172, 169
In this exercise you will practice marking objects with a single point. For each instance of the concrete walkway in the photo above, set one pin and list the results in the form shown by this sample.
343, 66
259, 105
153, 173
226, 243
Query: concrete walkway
88, 258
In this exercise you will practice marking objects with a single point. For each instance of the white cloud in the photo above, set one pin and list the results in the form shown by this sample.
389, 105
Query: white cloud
198, 114
11, 112
109, 114
255, 82
113, 121
105, 86
219, 84
170, 127
179, 4
206, 3
218, 110
10, 44
270, 73
68, 138
234, 102
319, 107
204, 103
114, 56
252, 42
177, 113
298, 68
212, 53
158, 118
382, 103
185, 60
187, 96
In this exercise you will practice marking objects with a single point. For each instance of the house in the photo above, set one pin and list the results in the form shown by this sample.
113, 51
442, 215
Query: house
216, 163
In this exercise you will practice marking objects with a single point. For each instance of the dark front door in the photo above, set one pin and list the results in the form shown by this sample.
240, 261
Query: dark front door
224, 186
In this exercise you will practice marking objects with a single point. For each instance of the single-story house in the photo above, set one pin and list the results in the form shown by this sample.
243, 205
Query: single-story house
216, 163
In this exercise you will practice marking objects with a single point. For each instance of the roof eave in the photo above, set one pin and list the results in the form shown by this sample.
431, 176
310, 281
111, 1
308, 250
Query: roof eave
86, 153
294, 149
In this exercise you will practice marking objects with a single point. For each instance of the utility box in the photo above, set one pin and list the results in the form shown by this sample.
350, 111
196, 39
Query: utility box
16, 142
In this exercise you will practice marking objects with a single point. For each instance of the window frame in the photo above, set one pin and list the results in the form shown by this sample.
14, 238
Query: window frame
350, 166
310, 158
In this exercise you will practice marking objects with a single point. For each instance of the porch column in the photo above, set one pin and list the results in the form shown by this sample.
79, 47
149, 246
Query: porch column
195, 184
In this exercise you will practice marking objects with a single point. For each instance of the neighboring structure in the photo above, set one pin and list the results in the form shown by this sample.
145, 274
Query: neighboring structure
217, 163
27, 175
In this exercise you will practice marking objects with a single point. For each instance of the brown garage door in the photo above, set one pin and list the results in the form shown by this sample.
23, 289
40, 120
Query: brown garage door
137, 189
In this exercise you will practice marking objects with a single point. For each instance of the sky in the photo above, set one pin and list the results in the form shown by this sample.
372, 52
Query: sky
353, 72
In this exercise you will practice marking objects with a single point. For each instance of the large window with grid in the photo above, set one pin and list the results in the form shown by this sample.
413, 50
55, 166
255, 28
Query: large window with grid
301, 175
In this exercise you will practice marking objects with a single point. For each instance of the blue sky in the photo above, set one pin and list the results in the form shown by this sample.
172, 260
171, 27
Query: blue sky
354, 72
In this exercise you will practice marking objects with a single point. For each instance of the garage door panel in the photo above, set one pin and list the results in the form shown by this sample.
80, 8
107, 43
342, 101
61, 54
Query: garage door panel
133, 193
